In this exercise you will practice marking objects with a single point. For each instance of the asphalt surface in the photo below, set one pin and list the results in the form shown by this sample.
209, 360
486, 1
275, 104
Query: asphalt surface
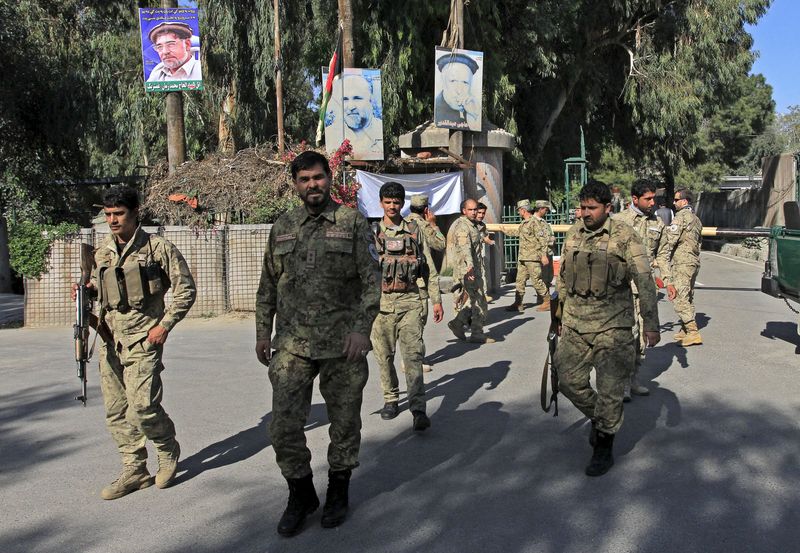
709, 462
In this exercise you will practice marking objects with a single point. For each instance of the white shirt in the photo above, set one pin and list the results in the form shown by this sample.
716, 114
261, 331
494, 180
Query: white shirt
189, 71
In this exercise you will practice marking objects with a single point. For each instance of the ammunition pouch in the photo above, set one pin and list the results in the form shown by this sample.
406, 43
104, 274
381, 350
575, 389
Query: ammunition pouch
591, 273
401, 262
129, 286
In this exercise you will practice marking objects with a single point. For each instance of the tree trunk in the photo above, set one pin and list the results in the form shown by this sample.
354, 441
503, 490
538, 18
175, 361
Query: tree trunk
227, 116
5, 259
547, 130
278, 76
176, 134
346, 18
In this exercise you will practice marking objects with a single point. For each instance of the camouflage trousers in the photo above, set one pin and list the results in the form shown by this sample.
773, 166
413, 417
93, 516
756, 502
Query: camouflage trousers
341, 383
130, 379
683, 278
484, 277
474, 311
404, 328
611, 353
537, 273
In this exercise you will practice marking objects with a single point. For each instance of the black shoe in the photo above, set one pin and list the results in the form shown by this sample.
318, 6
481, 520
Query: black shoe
335, 510
389, 411
602, 458
593, 435
303, 501
421, 421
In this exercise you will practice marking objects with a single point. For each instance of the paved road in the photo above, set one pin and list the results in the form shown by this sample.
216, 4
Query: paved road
709, 462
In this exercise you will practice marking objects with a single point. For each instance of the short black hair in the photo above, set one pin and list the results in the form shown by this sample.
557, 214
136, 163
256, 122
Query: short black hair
420, 210
308, 160
393, 190
121, 196
481, 206
596, 190
685, 194
641, 187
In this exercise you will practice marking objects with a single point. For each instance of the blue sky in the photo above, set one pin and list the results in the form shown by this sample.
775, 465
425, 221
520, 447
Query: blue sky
777, 40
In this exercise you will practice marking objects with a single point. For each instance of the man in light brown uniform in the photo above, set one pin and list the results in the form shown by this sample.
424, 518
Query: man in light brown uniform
534, 255
650, 228
683, 243
134, 271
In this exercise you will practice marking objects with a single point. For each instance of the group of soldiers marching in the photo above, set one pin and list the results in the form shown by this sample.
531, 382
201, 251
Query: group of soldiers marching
333, 287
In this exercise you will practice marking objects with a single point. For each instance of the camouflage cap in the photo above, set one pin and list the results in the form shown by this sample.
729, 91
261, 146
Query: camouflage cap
419, 200
100, 218
543, 203
524, 204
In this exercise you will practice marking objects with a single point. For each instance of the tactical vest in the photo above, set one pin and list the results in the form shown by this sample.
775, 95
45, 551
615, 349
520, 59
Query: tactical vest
402, 262
591, 272
126, 287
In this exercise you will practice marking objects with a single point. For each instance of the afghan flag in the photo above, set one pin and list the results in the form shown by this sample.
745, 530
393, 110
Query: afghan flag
334, 71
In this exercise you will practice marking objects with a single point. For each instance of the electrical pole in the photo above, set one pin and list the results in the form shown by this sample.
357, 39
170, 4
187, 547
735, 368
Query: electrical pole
346, 18
278, 76
176, 133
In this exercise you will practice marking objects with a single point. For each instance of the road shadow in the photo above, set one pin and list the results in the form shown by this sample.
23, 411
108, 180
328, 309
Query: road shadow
783, 330
240, 446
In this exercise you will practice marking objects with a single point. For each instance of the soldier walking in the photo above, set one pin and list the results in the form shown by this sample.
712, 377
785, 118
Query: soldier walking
683, 243
408, 277
641, 217
486, 241
423, 217
319, 283
134, 271
601, 257
535, 254
464, 257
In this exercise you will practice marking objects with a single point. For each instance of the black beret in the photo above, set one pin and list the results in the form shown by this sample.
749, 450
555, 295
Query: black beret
457, 58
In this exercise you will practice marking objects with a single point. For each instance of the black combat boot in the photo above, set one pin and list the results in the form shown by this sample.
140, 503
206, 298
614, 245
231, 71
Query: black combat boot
335, 510
602, 458
593, 435
303, 501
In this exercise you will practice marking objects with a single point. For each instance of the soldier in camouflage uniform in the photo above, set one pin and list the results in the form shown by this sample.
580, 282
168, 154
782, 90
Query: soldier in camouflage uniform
134, 269
486, 242
683, 244
650, 228
599, 260
319, 283
535, 254
422, 215
464, 257
408, 277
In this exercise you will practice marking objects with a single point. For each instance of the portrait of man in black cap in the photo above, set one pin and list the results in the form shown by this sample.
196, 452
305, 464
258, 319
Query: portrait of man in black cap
172, 41
458, 89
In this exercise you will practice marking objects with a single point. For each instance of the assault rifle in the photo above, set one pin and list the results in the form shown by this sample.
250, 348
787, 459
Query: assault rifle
549, 365
83, 312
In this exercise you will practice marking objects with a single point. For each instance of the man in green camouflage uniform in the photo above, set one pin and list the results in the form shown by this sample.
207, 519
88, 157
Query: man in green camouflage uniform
599, 260
319, 283
534, 255
683, 244
464, 257
134, 269
408, 277
486, 241
641, 216
422, 215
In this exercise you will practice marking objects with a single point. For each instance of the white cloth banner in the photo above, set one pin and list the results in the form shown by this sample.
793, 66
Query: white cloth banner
444, 190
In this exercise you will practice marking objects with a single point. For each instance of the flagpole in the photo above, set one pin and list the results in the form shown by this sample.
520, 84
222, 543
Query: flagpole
278, 75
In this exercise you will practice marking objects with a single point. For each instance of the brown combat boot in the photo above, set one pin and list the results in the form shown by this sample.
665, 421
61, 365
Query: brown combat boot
132, 478
481, 338
545, 304
692, 337
167, 465
680, 335
517, 305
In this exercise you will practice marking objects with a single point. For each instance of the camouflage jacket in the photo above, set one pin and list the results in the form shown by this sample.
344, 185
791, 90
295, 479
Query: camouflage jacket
170, 271
319, 281
683, 239
433, 236
534, 239
465, 250
427, 286
612, 307
652, 232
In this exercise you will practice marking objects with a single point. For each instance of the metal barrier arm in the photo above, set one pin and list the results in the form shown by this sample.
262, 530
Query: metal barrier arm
708, 232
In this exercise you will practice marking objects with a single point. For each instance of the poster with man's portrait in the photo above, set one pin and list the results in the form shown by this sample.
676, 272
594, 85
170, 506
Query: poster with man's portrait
355, 113
458, 89
170, 49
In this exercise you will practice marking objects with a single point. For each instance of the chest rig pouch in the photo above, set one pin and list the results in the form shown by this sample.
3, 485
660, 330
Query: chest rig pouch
128, 286
592, 272
401, 261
